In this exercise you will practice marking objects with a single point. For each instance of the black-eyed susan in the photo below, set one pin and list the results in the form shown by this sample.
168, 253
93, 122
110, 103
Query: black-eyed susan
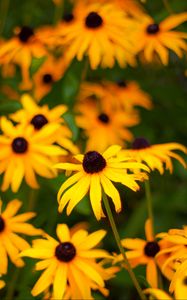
100, 31
178, 284
155, 156
69, 261
47, 75
73, 291
11, 225
26, 152
121, 94
94, 172
104, 126
41, 116
158, 38
143, 252
128, 94
21, 48
174, 252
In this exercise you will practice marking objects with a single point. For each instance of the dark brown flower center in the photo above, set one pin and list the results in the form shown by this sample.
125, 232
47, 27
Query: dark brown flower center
47, 78
19, 145
153, 28
151, 249
122, 83
104, 118
25, 34
184, 281
68, 17
65, 252
93, 20
2, 224
39, 121
140, 143
93, 162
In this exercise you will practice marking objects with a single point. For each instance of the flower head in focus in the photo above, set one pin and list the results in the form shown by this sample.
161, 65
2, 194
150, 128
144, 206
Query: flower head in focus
69, 263
94, 172
143, 252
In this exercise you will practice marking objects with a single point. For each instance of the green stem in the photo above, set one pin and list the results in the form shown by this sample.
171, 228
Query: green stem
59, 10
3, 15
121, 249
12, 285
32, 199
149, 203
167, 6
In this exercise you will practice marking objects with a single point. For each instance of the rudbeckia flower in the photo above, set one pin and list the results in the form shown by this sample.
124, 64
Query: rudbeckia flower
178, 284
10, 226
41, 116
158, 38
94, 172
20, 49
104, 127
100, 31
69, 261
174, 252
45, 77
143, 252
25, 152
155, 156
122, 94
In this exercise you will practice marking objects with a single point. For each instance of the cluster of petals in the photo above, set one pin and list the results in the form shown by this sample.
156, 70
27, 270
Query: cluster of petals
70, 264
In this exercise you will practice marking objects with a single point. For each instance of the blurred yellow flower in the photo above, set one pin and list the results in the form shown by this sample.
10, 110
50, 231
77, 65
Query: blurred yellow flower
71, 261
158, 38
99, 30
158, 294
10, 226
21, 48
95, 172
104, 126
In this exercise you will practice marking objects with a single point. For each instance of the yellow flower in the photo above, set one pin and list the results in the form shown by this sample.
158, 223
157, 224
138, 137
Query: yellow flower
157, 294
21, 48
25, 152
95, 172
143, 252
47, 74
100, 31
158, 38
122, 94
155, 156
174, 252
69, 261
10, 226
40, 116
179, 281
